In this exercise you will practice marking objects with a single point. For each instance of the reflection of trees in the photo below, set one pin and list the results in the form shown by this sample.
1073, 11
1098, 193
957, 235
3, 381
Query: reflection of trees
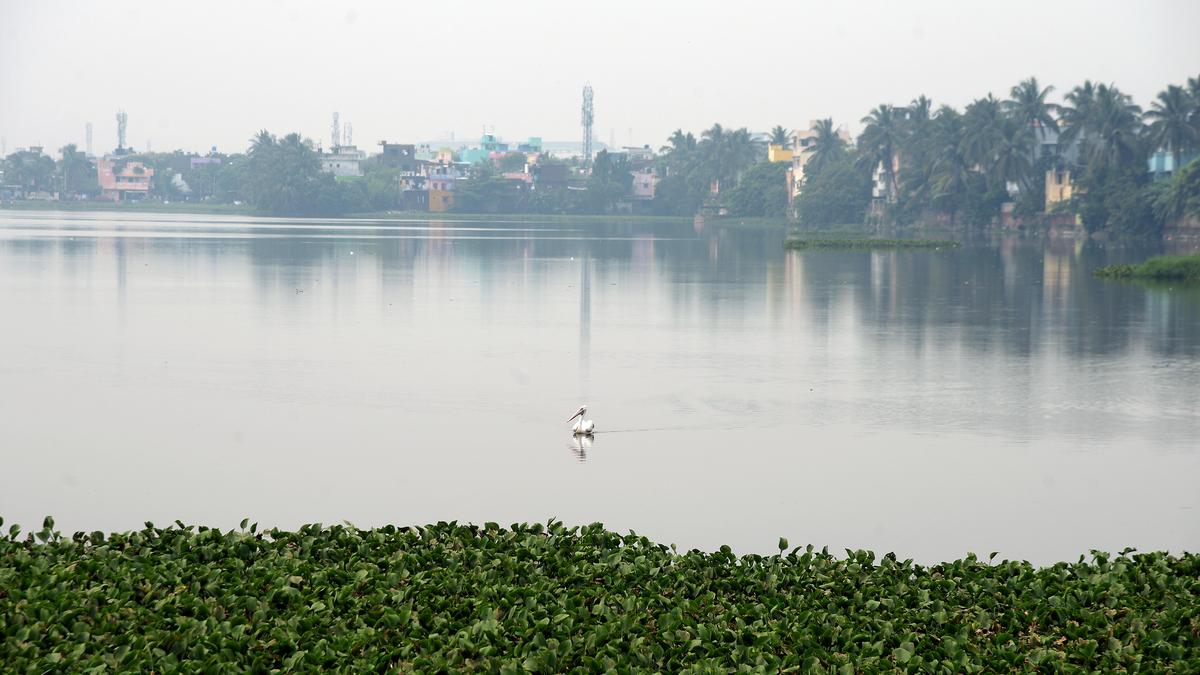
1013, 298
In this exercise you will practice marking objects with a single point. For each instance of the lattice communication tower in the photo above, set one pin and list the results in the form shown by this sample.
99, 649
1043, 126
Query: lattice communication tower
586, 119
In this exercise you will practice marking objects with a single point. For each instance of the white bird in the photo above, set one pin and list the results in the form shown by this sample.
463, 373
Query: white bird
584, 426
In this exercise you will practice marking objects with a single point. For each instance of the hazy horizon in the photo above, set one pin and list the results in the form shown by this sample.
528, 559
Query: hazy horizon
195, 76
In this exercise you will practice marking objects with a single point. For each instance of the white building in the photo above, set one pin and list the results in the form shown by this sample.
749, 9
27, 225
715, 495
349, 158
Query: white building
343, 160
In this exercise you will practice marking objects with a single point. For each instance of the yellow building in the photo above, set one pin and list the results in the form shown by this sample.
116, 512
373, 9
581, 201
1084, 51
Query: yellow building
1058, 187
441, 201
778, 153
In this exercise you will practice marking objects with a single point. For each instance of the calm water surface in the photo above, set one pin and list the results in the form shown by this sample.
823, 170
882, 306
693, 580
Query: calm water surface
207, 368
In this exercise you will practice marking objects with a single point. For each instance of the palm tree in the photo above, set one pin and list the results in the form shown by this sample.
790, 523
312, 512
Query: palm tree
826, 147
951, 175
1112, 129
982, 121
1029, 107
779, 135
1173, 125
880, 140
1076, 112
1011, 160
680, 142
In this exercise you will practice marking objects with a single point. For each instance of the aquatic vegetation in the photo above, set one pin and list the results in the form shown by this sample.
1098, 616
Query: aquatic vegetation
869, 244
1184, 268
547, 598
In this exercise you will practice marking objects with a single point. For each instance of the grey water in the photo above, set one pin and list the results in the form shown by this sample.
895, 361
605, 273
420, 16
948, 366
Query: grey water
209, 368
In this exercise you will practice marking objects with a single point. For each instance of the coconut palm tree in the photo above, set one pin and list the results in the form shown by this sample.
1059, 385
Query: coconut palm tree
1029, 107
679, 142
827, 147
779, 135
1074, 114
880, 140
951, 175
1112, 130
1011, 158
1172, 125
981, 123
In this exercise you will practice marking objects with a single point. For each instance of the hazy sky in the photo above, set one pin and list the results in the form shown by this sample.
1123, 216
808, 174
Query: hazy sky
195, 74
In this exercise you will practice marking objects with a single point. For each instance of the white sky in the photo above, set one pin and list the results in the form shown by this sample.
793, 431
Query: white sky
212, 72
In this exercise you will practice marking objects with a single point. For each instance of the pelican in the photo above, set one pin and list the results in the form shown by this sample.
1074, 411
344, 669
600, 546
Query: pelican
584, 426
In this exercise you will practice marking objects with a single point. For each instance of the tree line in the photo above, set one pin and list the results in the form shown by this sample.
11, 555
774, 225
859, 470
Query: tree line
962, 166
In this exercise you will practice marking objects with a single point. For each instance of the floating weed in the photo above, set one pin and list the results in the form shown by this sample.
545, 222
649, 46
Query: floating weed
1166, 268
551, 598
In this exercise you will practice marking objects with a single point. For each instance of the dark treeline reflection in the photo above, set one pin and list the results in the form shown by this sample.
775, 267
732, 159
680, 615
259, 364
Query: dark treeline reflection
1012, 296
1008, 296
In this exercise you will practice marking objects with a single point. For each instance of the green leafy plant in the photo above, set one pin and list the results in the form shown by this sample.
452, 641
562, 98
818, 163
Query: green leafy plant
551, 598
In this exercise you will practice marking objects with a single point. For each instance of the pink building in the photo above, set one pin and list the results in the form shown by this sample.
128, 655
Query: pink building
123, 179
644, 182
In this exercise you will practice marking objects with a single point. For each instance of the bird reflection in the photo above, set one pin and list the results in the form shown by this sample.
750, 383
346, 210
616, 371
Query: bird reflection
580, 445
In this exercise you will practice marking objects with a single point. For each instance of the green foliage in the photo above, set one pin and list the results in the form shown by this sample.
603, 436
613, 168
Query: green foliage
1185, 268
77, 172
513, 161
762, 192
283, 176
868, 244
1181, 197
836, 195
534, 598
30, 170
486, 192
1121, 202
610, 180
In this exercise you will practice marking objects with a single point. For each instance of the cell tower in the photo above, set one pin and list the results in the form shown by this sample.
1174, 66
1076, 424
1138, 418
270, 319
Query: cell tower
348, 136
122, 122
586, 120
336, 135
87, 137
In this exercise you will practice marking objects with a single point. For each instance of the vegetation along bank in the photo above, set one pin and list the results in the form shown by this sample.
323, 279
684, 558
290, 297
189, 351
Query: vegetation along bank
451, 597
1185, 268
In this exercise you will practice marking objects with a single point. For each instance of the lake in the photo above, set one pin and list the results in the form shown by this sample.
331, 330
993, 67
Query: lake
208, 368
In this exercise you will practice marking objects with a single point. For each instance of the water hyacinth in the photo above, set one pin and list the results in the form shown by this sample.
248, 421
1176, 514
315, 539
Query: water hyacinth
547, 598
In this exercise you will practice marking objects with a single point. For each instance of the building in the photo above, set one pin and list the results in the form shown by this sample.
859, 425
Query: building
645, 181
1059, 188
549, 175
343, 160
1162, 163
803, 145
440, 182
122, 179
778, 153
402, 156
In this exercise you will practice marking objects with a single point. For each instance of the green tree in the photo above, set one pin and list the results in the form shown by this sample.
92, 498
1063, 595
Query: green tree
1029, 108
880, 139
513, 161
779, 135
837, 195
761, 192
31, 170
1173, 123
77, 173
827, 147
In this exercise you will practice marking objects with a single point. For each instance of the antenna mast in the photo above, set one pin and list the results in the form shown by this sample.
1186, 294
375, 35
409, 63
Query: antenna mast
336, 135
122, 122
586, 120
